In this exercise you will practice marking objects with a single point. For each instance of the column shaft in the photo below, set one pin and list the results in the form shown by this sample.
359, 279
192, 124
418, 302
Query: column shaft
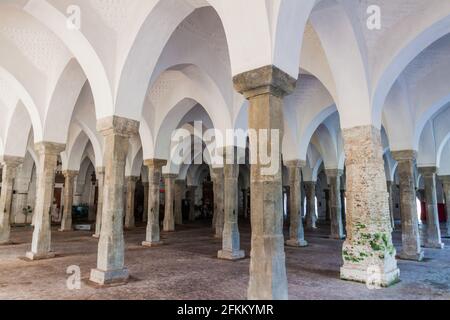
48, 157
265, 88
178, 205
192, 190
411, 249
311, 218
100, 174
66, 221
337, 226
446, 184
146, 189
130, 221
110, 260
218, 186
368, 252
296, 232
169, 219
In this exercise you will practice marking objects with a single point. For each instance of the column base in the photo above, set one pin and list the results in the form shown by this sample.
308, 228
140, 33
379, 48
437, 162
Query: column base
411, 257
112, 277
65, 230
333, 237
384, 279
152, 244
96, 236
34, 256
296, 243
433, 245
229, 255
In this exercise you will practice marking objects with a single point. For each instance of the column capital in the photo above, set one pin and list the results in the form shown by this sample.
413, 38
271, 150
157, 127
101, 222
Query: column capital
295, 163
334, 173
310, 183
155, 163
49, 148
70, 173
445, 179
118, 126
217, 173
170, 176
428, 171
404, 155
11, 161
264, 80
180, 182
132, 178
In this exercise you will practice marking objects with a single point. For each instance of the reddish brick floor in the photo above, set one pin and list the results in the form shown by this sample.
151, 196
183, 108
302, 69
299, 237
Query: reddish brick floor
186, 268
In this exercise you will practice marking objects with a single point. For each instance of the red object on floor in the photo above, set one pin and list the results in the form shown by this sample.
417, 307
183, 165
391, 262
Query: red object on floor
441, 210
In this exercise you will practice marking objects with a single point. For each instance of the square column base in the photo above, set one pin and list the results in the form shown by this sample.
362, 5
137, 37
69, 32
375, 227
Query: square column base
296, 243
104, 278
65, 230
152, 244
384, 279
429, 245
411, 257
228, 255
34, 256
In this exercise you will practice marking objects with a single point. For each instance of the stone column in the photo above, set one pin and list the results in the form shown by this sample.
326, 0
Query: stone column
296, 232
117, 132
446, 185
66, 221
100, 174
408, 206
19, 210
130, 221
265, 88
311, 218
146, 188
169, 219
10, 165
218, 186
154, 180
433, 230
192, 190
178, 206
368, 252
92, 211
48, 156
231, 243
337, 226
390, 188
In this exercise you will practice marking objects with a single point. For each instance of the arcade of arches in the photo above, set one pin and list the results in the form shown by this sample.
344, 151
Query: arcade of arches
88, 171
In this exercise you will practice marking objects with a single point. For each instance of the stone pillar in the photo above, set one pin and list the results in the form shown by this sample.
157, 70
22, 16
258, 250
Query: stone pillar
130, 221
169, 219
446, 185
337, 226
178, 206
368, 252
311, 218
218, 180
433, 230
245, 193
19, 210
390, 188
66, 221
117, 132
231, 243
408, 206
192, 190
265, 88
154, 180
146, 188
296, 232
48, 156
100, 174
10, 165
92, 211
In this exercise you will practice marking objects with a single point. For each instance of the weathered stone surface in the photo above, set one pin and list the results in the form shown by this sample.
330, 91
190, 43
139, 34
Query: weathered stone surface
390, 189
311, 218
265, 88
169, 219
110, 260
218, 186
48, 156
296, 232
66, 221
192, 190
154, 179
433, 230
9, 169
337, 226
231, 242
446, 185
100, 174
146, 190
130, 221
411, 249
180, 186
368, 252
